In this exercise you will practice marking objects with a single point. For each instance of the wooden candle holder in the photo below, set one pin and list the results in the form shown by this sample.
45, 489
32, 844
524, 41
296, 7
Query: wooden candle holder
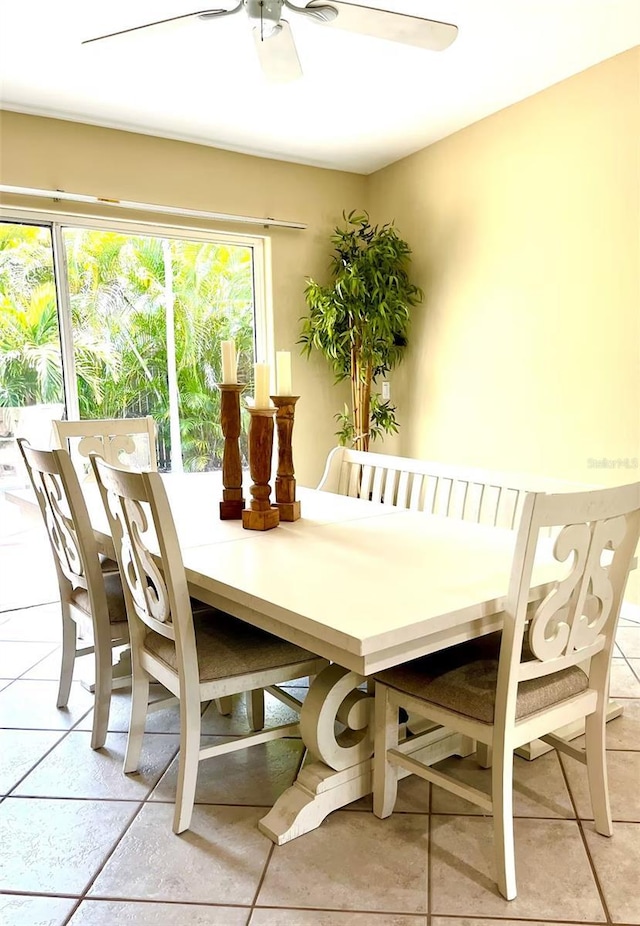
232, 502
261, 516
286, 502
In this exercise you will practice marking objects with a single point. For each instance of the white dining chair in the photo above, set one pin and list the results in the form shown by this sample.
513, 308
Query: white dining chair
130, 443
127, 442
197, 657
549, 666
91, 598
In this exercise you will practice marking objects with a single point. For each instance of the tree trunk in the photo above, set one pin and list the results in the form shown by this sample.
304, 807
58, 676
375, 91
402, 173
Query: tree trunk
366, 408
361, 397
355, 395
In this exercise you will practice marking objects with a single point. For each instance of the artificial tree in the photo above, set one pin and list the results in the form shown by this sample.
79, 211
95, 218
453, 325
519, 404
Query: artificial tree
360, 321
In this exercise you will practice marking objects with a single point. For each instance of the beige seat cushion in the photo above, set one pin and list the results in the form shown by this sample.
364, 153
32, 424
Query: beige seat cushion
463, 679
115, 599
228, 647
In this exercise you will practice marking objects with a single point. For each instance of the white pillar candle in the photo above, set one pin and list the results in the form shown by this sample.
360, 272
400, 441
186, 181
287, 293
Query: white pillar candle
283, 372
229, 362
261, 374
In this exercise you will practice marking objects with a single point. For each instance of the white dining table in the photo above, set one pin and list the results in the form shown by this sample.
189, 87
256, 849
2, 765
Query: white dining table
367, 586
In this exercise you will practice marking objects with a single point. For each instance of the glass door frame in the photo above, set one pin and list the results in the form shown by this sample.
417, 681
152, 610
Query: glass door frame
57, 222
65, 326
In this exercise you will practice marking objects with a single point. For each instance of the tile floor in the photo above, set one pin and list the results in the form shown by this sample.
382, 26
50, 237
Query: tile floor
82, 844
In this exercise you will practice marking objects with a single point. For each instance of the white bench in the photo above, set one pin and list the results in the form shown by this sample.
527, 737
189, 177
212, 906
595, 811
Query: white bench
483, 496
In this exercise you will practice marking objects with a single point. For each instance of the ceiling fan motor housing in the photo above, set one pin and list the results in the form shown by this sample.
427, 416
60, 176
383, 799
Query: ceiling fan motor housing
264, 16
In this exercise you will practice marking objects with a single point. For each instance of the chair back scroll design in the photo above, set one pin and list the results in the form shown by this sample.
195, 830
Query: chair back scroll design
60, 529
576, 621
113, 439
64, 513
573, 628
131, 501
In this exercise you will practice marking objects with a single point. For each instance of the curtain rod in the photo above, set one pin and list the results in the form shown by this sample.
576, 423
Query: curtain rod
58, 195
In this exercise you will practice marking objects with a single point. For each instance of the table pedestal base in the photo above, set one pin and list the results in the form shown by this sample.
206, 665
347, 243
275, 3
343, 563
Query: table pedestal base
319, 789
121, 677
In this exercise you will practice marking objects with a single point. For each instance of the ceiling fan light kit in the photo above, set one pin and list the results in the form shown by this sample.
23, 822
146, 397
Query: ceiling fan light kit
275, 44
264, 16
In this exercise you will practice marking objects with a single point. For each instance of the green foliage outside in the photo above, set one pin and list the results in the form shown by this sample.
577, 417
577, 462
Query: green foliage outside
360, 321
118, 299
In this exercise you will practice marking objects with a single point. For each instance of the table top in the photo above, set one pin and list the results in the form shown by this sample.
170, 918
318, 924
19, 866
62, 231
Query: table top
365, 585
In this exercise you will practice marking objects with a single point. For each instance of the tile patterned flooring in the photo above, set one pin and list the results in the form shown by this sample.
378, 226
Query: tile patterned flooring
84, 845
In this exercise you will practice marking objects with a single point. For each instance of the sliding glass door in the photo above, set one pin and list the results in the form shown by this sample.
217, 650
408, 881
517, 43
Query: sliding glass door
31, 371
142, 317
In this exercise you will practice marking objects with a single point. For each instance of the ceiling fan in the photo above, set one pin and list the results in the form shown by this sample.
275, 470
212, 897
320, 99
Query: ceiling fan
274, 41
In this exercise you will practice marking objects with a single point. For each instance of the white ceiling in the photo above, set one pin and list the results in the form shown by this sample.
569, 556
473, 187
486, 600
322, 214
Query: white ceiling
361, 104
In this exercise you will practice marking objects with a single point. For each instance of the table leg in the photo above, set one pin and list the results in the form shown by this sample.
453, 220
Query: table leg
340, 768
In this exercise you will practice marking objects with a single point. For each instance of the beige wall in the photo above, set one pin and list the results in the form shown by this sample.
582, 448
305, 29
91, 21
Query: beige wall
53, 154
526, 236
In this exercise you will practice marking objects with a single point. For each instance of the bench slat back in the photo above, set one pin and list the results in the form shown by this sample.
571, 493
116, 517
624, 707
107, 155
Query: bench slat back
483, 496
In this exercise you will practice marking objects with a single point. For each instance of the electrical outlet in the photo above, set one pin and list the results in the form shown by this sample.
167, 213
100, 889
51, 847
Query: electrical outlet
386, 391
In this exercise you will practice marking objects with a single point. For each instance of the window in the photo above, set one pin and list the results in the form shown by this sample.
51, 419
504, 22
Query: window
116, 323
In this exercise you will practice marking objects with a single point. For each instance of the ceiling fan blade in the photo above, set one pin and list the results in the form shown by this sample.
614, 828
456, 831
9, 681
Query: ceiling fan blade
383, 24
278, 56
203, 13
